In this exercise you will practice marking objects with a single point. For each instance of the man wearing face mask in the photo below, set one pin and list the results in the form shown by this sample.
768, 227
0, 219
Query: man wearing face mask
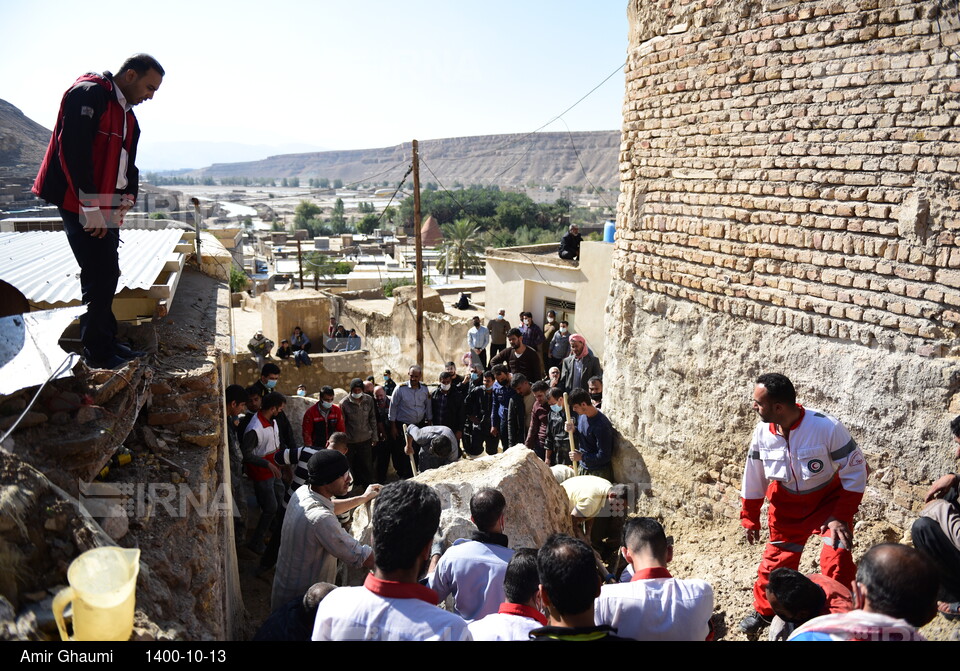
269, 376
595, 389
530, 333
479, 403
360, 418
388, 384
550, 328
322, 419
386, 447
448, 406
478, 337
260, 443
556, 443
498, 327
410, 404
559, 347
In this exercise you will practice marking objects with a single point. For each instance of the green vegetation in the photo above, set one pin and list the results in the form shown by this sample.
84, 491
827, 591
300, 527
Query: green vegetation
158, 215
238, 280
390, 285
317, 265
500, 219
461, 245
368, 224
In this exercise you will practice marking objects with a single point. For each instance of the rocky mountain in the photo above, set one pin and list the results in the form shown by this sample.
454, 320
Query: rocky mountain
556, 159
22, 142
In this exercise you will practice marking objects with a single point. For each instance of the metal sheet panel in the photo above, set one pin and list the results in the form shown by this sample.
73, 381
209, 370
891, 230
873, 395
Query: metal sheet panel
41, 265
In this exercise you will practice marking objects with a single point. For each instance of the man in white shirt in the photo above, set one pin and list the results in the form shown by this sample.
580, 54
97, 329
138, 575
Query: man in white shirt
654, 606
478, 337
521, 613
392, 605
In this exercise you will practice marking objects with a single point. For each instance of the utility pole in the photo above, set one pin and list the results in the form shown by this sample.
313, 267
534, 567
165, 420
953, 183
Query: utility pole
419, 248
300, 262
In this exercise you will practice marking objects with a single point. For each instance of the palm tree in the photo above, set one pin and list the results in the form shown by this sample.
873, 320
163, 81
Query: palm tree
461, 245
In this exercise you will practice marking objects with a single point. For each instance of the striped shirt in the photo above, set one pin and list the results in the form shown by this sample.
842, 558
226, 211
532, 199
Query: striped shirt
298, 458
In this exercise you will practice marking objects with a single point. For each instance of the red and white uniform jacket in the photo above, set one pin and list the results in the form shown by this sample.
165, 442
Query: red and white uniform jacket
819, 454
268, 442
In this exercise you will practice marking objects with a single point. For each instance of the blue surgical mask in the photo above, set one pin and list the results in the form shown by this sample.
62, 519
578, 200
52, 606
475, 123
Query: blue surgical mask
499, 316
474, 376
271, 384
356, 396
555, 407
326, 405
301, 392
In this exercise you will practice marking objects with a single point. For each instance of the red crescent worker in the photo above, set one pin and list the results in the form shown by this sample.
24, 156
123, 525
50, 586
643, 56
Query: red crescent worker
807, 466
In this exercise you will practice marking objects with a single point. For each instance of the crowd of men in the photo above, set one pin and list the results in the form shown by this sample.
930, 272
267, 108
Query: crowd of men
801, 461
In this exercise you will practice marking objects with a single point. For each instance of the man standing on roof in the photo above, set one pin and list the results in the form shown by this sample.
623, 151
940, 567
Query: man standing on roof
89, 173
813, 474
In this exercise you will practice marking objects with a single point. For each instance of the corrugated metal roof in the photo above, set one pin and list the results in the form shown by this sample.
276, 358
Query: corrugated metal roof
41, 265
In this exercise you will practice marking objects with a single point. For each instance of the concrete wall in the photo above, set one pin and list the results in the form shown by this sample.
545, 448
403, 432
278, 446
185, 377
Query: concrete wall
281, 311
788, 203
391, 341
520, 278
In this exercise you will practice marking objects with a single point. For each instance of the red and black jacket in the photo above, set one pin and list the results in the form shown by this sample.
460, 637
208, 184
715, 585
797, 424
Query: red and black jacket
83, 157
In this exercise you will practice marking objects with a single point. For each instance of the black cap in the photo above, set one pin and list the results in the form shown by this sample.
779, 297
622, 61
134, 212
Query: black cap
325, 466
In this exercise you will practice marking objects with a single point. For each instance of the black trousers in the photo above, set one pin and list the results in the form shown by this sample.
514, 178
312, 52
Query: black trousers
99, 263
929, 538
395, 450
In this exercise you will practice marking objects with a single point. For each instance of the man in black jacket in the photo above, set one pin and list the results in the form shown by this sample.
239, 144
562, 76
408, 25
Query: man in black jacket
89, 173
570, 244
448, 406
478, 407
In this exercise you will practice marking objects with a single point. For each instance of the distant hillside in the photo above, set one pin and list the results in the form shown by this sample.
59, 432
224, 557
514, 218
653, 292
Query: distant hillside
22, 142
505, 160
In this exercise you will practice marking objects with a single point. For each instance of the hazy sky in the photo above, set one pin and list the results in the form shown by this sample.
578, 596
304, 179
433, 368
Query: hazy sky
335, 75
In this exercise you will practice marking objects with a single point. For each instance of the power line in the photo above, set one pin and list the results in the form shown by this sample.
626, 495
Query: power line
582, 169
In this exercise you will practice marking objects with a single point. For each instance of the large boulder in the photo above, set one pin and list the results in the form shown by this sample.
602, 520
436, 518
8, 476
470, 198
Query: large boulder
536, 505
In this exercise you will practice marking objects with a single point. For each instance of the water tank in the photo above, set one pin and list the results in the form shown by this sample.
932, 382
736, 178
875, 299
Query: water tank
609, 229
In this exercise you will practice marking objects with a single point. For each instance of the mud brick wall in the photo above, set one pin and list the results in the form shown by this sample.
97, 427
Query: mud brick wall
789, 202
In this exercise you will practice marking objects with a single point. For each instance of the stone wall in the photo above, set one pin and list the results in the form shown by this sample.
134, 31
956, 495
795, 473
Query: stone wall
789, 202
391, 339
